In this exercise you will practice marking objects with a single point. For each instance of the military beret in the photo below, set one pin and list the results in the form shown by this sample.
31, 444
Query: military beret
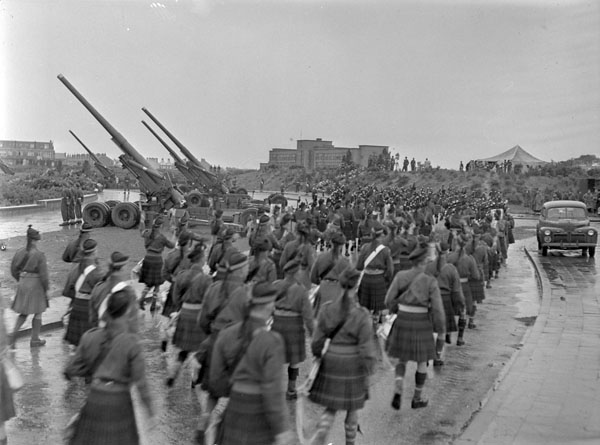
197, 251
285, 219
377, 229
419, 252
338, 238
33, 234
349, 278
118, 259
302, 227
218, 213
89, 246
263, 293
264, 219
86, 228
264, 245
236, 261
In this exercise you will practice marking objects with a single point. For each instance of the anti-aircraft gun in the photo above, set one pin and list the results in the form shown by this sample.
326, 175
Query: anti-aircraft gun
99, 165
235, 203
160, 193
6, 169
178, 162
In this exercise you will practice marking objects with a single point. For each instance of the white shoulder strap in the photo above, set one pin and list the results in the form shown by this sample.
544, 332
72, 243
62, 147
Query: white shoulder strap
83, 276
102, 309
373, 254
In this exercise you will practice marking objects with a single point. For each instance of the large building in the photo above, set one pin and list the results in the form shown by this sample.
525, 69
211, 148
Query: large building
317, 154
27, 153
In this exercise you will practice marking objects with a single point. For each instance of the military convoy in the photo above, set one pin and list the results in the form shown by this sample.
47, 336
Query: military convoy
200, 196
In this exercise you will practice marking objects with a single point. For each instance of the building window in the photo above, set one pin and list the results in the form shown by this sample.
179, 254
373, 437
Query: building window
31, 145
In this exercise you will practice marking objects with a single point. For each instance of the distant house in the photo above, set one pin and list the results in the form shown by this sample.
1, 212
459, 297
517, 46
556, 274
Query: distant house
319, 154
27, 153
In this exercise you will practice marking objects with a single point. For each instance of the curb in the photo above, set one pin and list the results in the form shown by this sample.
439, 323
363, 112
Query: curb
45, 328
506, 368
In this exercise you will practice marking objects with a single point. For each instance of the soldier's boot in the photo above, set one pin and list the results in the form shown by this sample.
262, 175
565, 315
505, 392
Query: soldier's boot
462, 324
36, 326
291, 393
351, 427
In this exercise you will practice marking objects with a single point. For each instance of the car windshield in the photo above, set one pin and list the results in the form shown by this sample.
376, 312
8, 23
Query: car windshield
566, 213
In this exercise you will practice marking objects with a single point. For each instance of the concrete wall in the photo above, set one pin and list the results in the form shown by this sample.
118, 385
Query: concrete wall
43, 204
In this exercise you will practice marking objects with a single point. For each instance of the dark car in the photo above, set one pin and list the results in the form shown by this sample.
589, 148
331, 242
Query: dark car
565, 225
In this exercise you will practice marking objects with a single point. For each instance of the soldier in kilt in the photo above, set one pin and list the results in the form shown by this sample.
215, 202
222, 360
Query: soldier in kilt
293, 313
113, 360
225, 302
221, 252
190, 288
342, 380
29, 268
478, 250
378, 273
115, 276
415, 297
74, 250
284, 235
246, 367
300, 248
452, 296
152, 266
88, 275
467, 269
326, 270
261, 267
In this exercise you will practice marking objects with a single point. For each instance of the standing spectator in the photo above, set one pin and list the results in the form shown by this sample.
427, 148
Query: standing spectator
413, 165
461, 167
126, 185
405, 164
29, 268
590, 201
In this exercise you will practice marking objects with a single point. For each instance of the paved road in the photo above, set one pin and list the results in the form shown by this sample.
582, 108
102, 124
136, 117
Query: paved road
552, 391
456, 391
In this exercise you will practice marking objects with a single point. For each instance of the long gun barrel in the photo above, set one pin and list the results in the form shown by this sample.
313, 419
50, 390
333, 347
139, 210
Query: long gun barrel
105, 171
179, 164
194, 165
152, 180
5, 168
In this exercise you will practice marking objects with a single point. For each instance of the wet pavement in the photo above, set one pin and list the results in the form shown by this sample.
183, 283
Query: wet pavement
455, 391
551, 394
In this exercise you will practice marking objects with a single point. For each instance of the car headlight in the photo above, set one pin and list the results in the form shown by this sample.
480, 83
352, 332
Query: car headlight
547, 232
591, 232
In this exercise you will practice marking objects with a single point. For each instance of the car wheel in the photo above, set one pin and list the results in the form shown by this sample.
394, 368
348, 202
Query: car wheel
592, 251
545, 251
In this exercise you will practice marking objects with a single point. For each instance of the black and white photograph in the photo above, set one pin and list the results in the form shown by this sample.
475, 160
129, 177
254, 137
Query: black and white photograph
299, 222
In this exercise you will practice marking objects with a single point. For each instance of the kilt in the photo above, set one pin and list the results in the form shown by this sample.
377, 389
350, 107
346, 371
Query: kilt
411, 338
342, 380
7, 407
292, 331
79, 321
188, 334
106, 418
152, 271
245, 421
466, 288
31, 296
169, 307
477, 290
372, 291
450, 315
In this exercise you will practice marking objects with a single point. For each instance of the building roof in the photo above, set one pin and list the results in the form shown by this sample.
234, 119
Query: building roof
516, 155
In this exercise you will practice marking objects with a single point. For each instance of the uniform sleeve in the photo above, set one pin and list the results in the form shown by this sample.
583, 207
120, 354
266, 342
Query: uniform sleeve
392, 293
70, 251
319, 336
362, 256
167, 242
218, 368
307, 312
271, 272
42, 270
315, 272
14, 264
366, 346
456, 295
389, 265
437, 308
271, 385
474, 270
138, 374
81, 363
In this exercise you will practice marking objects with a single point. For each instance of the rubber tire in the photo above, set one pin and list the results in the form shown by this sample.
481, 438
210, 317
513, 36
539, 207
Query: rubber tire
96, 214
112, 203
247, 215
592, 251
545, 251
125, 215
194, 199
241, 191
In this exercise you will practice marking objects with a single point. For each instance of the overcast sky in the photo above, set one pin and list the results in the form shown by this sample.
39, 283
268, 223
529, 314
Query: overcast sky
446, 80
